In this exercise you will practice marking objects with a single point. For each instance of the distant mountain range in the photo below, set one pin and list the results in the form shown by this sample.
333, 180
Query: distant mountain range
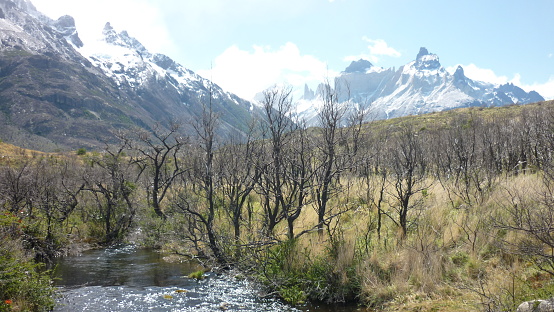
56, 93
419, 87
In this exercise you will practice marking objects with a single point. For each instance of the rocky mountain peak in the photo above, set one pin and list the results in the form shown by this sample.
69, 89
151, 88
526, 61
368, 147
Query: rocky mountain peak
66, 26
76, 97
165, 62
107, 29
360, 66
66, 22
122, 39
426, 60
309, 94
459, 73
422, 52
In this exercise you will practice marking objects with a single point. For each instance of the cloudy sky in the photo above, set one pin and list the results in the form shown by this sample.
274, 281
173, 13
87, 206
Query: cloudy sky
248, 45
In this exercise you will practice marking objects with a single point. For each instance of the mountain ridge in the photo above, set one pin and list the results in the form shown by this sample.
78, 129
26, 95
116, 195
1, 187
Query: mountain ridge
421, 86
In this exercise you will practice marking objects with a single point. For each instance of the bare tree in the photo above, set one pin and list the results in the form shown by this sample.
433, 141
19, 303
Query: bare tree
238, 177
159, 154
202, 213
408, 167
44, 191
299, 176
339, 139
277, 104
530, 212
56, 191
110, 178
374, 172
16, 188
457, 154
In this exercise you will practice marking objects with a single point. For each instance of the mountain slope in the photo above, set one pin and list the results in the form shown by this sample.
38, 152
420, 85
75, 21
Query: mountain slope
421, 86
56, 93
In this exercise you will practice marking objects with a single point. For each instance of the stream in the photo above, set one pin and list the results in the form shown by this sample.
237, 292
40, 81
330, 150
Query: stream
133, 279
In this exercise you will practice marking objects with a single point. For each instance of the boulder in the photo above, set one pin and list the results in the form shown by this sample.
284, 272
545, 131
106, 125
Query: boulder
537, 306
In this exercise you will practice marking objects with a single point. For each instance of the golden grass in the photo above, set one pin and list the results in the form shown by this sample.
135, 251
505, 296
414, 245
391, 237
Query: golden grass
442, 263
9, 150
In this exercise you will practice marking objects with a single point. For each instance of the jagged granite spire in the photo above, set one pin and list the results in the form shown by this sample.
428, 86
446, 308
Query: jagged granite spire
459, 74
422, 52
426, 60
122, 39
309, 94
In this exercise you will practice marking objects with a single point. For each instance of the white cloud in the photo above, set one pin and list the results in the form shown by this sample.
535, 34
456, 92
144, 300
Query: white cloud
545, 89
380, 47
247, 72
377, 48
139, 18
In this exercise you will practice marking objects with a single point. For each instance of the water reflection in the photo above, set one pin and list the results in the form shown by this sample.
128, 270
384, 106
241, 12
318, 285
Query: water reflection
127, 266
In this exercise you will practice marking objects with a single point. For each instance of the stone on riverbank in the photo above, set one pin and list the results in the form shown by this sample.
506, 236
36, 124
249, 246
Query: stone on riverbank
537, 306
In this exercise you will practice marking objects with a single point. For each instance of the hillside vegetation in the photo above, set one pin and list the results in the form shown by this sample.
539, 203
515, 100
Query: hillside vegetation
448, 211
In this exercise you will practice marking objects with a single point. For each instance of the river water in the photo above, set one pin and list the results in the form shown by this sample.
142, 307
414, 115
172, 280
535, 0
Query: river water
132, 279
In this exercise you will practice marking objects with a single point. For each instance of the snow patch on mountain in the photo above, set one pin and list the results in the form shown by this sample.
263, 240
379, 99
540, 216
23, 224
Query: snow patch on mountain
128, 62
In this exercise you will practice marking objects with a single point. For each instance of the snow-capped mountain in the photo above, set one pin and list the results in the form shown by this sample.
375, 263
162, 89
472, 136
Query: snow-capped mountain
57, 93
421, 86
128, 62
125, 60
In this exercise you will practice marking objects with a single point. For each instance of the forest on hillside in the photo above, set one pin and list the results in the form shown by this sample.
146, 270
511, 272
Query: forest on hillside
450, 211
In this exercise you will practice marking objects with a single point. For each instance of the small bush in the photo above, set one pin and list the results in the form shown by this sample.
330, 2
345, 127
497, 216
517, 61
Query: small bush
460, 258
293, 294
81, 151
198, 275
298, 275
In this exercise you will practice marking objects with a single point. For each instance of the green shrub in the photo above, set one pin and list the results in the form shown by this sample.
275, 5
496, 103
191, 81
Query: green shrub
460, 258
198, 275
298, 276
24, 285
293, 294
81, 151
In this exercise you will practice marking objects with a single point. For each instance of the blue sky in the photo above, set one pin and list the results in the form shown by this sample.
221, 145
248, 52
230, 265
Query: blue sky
248, 45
